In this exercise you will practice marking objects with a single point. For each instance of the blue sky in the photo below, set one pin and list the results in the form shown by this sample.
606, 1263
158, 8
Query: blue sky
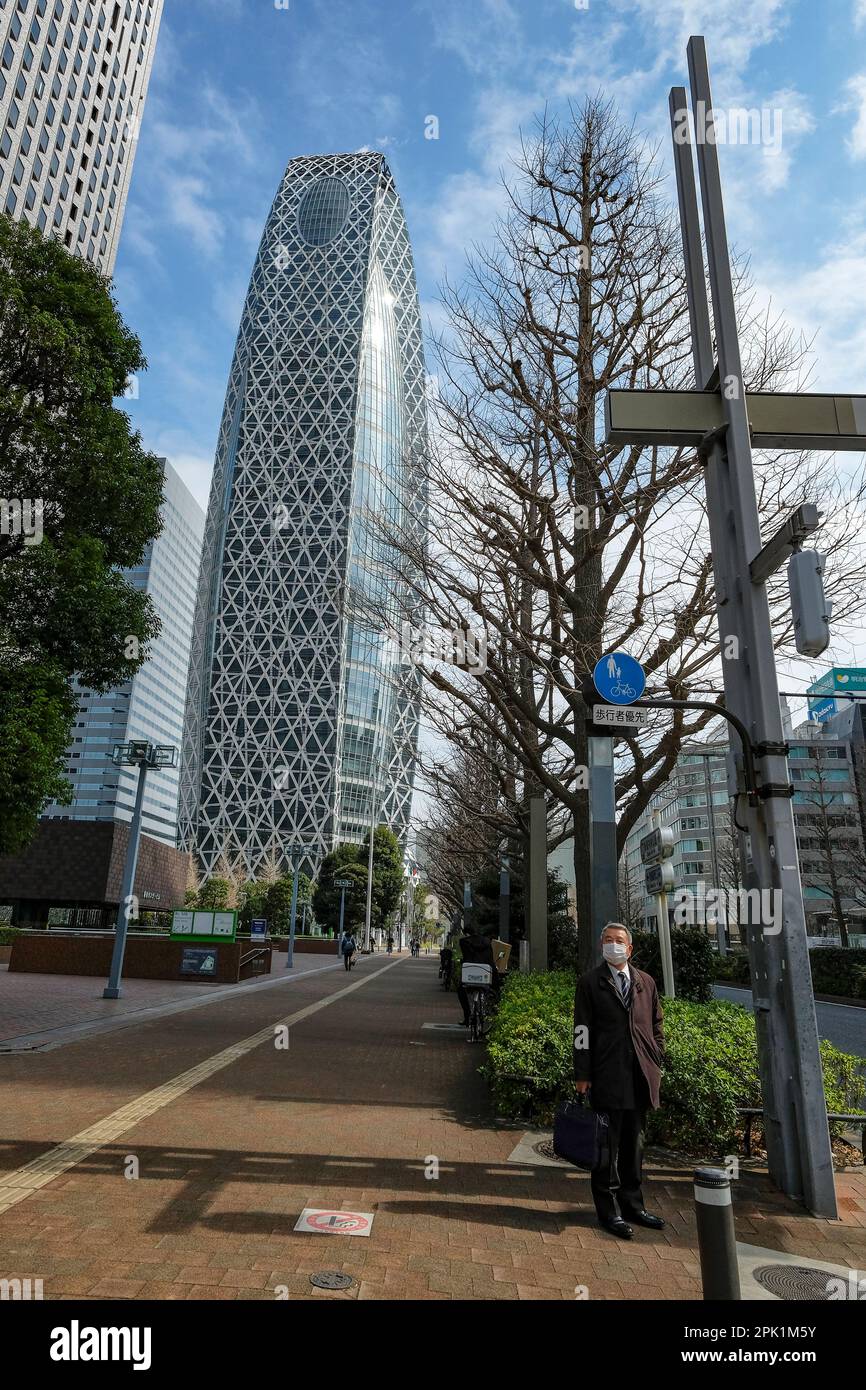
240, 87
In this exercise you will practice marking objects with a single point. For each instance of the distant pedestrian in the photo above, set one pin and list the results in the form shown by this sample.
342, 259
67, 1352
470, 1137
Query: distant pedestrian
348, 946
390, 944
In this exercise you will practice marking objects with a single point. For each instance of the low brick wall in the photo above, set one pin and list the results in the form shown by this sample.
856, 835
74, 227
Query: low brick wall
314, 945
146, 958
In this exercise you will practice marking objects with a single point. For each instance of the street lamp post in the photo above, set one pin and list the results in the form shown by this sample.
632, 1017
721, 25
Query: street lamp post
293, 916
142, 755
342, 884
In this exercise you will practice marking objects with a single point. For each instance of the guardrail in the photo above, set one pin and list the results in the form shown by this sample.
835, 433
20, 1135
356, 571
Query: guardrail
750, 1112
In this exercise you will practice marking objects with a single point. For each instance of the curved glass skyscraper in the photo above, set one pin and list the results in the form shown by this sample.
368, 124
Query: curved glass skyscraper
302, 723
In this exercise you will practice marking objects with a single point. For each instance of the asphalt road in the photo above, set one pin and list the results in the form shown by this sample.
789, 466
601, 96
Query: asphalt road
842, 1024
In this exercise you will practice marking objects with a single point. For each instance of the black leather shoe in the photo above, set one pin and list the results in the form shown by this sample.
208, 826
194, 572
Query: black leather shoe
643, 1218
618, 1227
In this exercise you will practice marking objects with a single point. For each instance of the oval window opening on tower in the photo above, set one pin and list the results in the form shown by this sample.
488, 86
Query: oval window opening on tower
323, 211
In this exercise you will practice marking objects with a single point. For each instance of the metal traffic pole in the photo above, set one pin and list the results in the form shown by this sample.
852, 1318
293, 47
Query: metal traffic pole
504, 900
796, 1129
664, 929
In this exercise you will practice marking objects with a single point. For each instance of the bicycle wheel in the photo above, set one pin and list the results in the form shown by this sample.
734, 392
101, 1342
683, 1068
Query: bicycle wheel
476, 1022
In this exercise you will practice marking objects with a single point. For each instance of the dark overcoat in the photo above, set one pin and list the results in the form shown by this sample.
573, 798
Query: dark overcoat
622, 1043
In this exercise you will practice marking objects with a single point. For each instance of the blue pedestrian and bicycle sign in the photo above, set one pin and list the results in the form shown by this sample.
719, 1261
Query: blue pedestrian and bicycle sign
619, 679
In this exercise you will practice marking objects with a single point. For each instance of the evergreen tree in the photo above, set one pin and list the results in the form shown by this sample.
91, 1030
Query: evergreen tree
68, 457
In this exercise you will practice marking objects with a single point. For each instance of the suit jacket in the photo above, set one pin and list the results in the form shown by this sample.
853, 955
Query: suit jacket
623, 1043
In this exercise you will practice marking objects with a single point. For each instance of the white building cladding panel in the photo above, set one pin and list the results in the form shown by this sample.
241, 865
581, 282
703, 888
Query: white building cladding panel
73, 81
301, 724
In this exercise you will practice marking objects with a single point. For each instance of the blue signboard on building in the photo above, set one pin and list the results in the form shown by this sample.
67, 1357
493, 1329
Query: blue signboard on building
840, 680
619, 679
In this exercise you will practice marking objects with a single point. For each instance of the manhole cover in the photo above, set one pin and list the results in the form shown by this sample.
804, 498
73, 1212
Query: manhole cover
331, 1279
546, 1150
794, 1282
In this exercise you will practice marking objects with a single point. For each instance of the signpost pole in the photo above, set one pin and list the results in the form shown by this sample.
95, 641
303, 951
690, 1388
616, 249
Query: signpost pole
602, 845
342, 915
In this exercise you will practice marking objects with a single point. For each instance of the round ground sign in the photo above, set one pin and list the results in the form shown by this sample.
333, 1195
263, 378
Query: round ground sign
337, 1222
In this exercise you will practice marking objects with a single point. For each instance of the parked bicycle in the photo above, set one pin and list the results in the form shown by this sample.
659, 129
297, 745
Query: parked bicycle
477, 981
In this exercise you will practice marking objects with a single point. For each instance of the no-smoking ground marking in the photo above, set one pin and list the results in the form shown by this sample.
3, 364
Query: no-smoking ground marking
317, 1222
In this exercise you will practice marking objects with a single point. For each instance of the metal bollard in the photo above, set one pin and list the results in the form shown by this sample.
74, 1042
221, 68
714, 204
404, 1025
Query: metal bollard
720, 1273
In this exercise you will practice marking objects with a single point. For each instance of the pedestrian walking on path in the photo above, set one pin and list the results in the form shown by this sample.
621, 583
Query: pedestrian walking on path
619, 1050
349, 946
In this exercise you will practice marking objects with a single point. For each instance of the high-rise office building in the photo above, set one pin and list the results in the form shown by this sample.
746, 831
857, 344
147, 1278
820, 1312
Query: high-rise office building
73, 81
694, 804
302, 721
151, 705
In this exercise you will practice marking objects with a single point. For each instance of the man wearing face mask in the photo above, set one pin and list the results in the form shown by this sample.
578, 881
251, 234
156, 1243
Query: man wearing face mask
618, 1024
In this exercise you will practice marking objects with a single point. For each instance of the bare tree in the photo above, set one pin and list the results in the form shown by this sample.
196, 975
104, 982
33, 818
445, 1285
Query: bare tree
554, 544
830, 839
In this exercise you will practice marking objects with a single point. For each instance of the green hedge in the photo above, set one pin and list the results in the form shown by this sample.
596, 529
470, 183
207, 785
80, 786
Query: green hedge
692, 955
8, 935
835, 970
712, 1064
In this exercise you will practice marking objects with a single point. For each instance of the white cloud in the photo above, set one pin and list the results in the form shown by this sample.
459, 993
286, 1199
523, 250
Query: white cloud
855, 102
789, 114
859, 13
827, 301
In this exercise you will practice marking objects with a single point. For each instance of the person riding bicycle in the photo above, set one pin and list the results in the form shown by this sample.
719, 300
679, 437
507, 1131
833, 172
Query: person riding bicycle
348, 946
446, 958
476, 948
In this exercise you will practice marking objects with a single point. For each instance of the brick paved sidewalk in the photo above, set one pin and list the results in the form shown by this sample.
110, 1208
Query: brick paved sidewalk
34, 1009
350, 1117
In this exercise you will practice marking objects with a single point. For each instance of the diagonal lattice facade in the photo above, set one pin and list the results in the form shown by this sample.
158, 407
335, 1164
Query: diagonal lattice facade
301, 722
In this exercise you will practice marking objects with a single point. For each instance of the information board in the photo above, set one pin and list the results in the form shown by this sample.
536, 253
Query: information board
198, 925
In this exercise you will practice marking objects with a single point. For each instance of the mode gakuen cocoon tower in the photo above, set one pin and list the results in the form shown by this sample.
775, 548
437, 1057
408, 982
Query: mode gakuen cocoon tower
302, 719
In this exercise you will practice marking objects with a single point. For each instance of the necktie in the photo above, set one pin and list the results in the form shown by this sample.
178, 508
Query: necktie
623, 986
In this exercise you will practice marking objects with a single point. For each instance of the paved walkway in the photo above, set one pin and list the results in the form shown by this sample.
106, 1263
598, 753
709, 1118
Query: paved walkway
233, 1134
40, 1010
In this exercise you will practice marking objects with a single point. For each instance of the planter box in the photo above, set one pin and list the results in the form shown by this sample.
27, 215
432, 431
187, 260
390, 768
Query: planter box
146, 958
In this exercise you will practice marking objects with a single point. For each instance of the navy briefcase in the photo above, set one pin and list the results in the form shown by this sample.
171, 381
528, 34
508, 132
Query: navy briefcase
579, 1133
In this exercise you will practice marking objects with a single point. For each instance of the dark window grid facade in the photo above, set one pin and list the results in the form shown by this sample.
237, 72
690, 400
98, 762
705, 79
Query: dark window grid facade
71, 52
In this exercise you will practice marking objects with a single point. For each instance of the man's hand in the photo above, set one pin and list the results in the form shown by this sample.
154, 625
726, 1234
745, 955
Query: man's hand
581, 1087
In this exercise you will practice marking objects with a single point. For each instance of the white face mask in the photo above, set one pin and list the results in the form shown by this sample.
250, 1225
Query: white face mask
615, 952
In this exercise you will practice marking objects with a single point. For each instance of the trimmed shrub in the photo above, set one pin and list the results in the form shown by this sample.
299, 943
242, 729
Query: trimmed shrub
711, 1066
732, 969
8, 935
693, 961
529, 1061
837, 970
